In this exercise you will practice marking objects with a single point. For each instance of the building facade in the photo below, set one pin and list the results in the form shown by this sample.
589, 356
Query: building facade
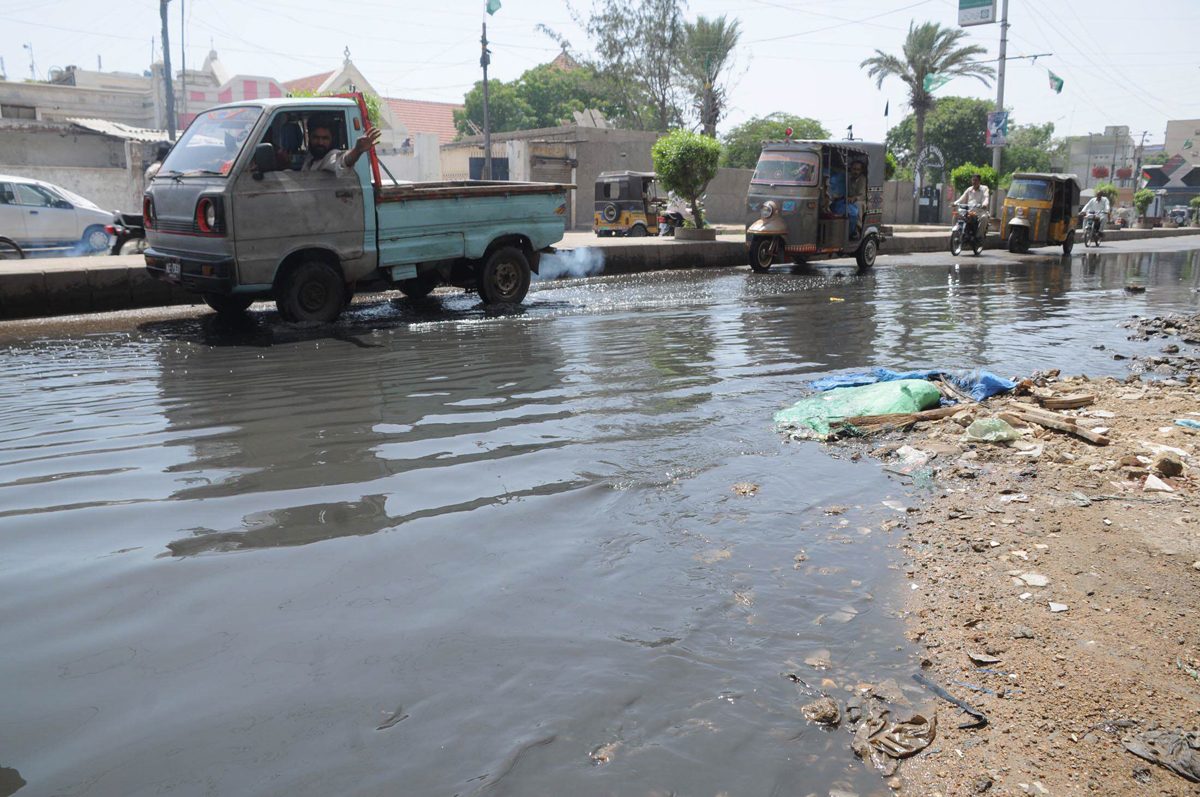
1108, 157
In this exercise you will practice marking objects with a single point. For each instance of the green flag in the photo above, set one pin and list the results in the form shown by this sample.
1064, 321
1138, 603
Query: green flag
934, 82
493, 6
1056, 82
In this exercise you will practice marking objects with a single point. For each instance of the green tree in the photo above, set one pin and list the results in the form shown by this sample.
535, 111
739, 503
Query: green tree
889, 167
1157, 159
742, 145
1031, 148
1141, 200
507, 109
929, 49
705, 57
635, 46
1107, 189
961, 176
685, 163
1195, 204
542, 97
955, 125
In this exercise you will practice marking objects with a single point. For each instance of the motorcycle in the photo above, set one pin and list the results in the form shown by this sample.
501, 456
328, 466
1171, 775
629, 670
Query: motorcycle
965, 231
128, 232
669, 221
1092, 232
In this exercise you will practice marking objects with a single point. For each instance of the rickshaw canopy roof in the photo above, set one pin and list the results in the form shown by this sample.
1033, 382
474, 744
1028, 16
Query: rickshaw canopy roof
875, 152
1062, 178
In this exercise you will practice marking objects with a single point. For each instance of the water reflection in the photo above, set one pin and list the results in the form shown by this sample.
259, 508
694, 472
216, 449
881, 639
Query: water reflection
464, 550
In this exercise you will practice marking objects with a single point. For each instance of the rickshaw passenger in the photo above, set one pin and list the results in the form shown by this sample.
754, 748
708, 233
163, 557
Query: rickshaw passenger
856, 196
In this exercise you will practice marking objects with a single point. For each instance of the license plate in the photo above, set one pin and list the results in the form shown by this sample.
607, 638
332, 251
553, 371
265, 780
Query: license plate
174, 269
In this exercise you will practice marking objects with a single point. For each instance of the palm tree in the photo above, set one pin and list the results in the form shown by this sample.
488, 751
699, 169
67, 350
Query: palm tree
929, 49
707, 50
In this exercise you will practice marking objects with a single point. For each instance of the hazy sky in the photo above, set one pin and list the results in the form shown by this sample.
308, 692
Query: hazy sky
1133, 63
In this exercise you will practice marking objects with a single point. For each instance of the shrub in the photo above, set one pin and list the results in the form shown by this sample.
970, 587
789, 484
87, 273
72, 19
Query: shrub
1107, 190
685, 163
1142, 199
961, 177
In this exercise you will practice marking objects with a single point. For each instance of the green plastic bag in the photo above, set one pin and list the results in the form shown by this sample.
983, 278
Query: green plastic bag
991, 430
821, 415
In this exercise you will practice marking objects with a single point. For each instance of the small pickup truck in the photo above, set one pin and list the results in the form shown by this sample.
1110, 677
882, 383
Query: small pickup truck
234, 216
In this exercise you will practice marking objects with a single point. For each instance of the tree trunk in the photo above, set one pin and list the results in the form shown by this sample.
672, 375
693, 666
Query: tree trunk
920, 144
696, 214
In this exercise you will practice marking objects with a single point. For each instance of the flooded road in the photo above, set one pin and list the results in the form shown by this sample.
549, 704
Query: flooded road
440, 550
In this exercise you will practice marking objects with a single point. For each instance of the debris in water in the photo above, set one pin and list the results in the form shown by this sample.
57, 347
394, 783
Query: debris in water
745, 489
823, 711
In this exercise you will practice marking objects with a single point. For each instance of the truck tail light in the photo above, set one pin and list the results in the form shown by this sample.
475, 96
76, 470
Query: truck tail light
148, 219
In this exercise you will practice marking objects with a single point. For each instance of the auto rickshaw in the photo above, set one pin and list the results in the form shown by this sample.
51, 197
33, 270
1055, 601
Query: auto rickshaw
1040, 210
797, 207
627, 204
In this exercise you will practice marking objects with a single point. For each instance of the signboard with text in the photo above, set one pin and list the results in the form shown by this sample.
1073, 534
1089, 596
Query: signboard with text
976, 12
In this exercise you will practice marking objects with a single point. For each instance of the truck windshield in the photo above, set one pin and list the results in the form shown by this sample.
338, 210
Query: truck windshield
1037, 190
212, 143
787, 168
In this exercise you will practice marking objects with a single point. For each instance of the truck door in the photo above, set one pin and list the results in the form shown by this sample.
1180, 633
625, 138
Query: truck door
292, 209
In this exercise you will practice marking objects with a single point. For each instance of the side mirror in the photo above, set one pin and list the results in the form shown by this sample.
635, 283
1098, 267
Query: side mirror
264, 160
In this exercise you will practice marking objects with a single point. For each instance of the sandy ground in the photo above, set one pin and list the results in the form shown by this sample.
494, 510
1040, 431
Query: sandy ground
1065, 579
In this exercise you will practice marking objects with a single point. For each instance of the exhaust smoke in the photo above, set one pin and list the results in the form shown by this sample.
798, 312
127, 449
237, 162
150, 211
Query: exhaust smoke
570, 264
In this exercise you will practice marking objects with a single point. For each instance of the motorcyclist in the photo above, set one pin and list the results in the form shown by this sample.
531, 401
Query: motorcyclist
1100, 206
977, 196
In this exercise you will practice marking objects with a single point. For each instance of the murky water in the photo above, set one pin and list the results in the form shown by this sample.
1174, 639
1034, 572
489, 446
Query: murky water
446, 551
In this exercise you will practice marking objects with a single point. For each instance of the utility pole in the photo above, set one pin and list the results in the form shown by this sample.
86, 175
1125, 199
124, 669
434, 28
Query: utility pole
484, 60
997, 152
182, 59
1137, 172
166, 49
32, 68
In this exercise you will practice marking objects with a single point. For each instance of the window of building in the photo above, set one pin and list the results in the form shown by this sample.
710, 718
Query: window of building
18, 112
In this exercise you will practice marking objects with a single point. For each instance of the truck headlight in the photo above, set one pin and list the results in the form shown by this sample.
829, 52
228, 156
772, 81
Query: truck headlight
768, 209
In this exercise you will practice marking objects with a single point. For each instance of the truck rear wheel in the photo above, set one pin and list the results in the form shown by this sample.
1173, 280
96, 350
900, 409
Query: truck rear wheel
228, 304
504, 278
314, 291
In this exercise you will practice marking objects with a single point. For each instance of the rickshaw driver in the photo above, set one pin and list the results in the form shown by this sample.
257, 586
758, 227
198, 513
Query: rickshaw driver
980, 196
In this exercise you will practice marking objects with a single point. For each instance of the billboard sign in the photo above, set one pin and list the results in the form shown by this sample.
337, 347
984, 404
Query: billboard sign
976, 12
997, 129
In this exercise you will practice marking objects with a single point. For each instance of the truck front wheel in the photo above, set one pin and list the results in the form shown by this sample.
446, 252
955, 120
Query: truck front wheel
314, 291
504, 278
228, 304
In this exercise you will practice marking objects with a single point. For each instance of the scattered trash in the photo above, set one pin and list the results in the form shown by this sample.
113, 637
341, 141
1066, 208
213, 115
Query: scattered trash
991, 430
833, 410
745, 489
1153, 484
819, 660
604, 753
982, 659
911, 458
823, 711
980, 718
1035, 579
1175, 750
1168, 464
883, 742
1058, 607
836, 299
1066, 402
978, 385
1188, 423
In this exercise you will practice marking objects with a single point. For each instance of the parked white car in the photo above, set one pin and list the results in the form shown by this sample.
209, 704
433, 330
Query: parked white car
39, 215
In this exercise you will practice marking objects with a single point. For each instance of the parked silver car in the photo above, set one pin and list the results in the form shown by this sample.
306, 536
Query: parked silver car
39, 215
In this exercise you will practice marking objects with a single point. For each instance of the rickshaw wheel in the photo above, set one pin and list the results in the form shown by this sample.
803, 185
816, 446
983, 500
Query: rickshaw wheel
1069, 244
867, 252
637, 231
1018, 240
762, 254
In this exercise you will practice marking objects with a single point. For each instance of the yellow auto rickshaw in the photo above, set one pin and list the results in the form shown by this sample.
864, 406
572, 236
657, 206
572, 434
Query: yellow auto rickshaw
1040, 210
627, 204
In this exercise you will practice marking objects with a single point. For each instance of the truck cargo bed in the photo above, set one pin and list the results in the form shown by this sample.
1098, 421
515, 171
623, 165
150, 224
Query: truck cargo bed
449, 189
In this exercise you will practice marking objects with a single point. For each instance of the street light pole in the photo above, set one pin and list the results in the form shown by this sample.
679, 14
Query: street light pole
484, 60
998, 151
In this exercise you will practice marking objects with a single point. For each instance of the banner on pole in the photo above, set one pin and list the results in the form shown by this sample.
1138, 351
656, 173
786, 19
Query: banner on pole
934, 82
1056, 82
976, 12
997, 129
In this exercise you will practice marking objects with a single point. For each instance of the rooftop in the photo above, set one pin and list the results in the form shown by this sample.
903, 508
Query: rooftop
423, 116
309, 83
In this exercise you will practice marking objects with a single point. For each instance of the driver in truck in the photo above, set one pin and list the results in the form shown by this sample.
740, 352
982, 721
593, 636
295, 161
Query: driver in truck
323, 157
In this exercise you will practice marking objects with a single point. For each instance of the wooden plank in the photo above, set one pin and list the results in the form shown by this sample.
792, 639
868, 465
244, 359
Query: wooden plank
900, 418
1061, 423
1064, 402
